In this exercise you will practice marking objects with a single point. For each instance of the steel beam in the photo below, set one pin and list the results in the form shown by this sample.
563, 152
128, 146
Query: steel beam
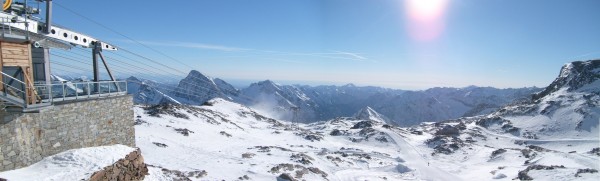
48, 16
95, 51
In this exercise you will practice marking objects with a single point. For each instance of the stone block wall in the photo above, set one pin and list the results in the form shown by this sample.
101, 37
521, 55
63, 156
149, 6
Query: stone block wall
26, 138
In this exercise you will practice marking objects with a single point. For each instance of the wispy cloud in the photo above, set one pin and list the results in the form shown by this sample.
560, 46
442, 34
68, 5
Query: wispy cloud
355, 55
190, 45
339, 55
207, 46
334, 54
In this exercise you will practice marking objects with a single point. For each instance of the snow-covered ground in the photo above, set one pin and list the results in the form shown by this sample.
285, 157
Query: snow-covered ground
219, 137
475, 157
74, 164
372, 150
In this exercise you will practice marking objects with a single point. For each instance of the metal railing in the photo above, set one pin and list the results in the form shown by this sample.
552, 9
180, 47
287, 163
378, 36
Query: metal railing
19, 93
66, 91
14, 94
5, 22
13, 24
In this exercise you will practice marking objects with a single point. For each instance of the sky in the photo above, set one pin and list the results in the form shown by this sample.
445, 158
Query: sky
410, 44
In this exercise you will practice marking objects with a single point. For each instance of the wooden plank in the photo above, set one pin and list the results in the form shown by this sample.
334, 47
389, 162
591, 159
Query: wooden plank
11, 64
14, 60
22, 50
34, 97
6, 60
13, 56
15, 45
15, 48
14, 51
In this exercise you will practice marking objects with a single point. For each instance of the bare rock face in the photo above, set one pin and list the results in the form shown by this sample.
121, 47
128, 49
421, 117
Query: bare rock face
448, 131
132, 167
362, 124
573, 76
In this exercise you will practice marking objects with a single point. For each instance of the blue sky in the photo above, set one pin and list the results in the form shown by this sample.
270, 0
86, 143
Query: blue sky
413, 44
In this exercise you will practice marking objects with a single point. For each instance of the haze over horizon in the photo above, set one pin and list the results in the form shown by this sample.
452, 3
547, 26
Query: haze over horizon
410, 45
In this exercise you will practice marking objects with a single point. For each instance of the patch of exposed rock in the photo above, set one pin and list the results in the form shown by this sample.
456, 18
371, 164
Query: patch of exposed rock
523, 173
362, 124
132, 167
299, 171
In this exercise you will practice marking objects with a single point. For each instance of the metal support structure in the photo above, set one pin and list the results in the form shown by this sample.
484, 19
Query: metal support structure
47, 70
48, 16
95, 51
106, 66
112, 78
47, 73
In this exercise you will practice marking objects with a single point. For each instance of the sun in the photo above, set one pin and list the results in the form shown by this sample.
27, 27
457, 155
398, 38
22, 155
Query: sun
425, 18
426, 9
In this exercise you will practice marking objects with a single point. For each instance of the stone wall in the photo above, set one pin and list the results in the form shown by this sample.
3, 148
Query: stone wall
26, 138
132, 167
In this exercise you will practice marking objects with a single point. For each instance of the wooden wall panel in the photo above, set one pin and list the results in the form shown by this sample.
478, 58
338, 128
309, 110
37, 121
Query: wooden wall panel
18, 55
14, 54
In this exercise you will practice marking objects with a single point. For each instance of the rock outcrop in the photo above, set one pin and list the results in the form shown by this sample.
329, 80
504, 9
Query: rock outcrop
132, 167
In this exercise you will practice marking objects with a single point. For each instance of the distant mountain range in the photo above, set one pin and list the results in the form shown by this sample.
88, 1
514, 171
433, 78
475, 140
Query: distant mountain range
316, 103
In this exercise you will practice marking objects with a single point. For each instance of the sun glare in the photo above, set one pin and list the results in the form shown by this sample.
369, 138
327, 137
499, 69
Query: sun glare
425, 18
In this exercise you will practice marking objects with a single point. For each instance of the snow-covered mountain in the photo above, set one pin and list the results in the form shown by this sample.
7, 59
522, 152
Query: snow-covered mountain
336, 101
280, 101
437, 104
148, 92
554, 136
567, 108
368, 113
403, 107
310, 104
197, 88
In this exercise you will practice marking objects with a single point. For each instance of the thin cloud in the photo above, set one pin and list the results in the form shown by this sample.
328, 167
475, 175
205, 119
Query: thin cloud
355, 55
208, 46
339, 55
190, 45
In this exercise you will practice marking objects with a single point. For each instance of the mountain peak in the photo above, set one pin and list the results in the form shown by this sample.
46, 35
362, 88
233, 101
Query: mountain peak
573, 76
267, 85
197, 74
267, 82
369, 113
133, 78
349, 85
